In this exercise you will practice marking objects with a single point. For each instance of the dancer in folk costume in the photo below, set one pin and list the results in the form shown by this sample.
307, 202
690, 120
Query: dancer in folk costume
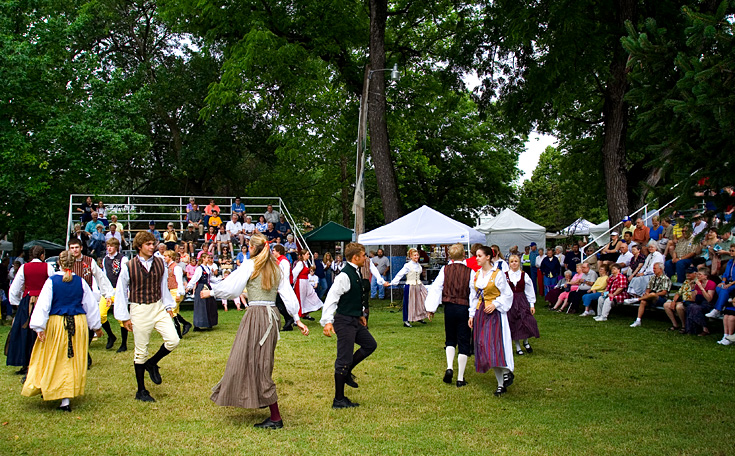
248, 378
143, 303
306, 294
24, 291
521, 314
279, 251
177, 287
65, 308
111, 266
205, 310
452, 288
414, 293
489, 305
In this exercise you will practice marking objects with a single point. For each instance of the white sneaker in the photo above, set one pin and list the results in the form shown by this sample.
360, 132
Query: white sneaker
713, 314
731, 337
600, 318
584, 314
724, 342
591, 313
636, 324
631, 300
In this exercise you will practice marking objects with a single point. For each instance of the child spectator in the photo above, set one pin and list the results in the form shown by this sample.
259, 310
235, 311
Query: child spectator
214, 220
223, 238
210, 241
209, 211
191, 267
313, 279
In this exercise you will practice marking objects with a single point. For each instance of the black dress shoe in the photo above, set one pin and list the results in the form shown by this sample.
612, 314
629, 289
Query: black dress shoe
500, 391
23, 371
461, 383
122, 348
407, 324
196, 329
343, 403
308, 317
528, 348
287, 328
110, 342
154, 373
269, 424
448, 376
89, 362
350, 381
508, 379
187, 327
144, 396
421, 321
64, 408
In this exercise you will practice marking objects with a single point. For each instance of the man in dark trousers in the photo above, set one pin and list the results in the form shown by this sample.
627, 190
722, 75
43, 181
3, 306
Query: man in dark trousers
348, 298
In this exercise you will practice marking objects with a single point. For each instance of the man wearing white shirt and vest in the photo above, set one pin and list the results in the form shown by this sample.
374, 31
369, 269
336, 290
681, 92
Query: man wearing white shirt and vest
143, 283
112, 265
347, 298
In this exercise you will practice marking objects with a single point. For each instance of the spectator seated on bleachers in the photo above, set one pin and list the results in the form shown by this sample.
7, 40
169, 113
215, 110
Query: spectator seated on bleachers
624, 258
238, 210
572, 285
594, 293
656, 293
91, 226
194, 218
223, 238
248, 228
271, 232
152, 229
262, 225
682, 255
615, 293
97, 241
628, 239
705, 252
234, 227
639, 281
190, 238
270, 215
214, 219
641, 233
209, 211
685, 296
722, 250
113, 233
704, 294
169, 237
638, 258
210, 241
283, 227
225, 258
610, 252
725, 290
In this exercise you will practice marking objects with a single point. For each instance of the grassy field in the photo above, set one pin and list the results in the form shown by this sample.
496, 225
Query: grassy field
588, 388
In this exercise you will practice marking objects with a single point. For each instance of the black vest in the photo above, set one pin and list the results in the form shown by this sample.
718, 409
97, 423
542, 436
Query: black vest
112, 267
352, 302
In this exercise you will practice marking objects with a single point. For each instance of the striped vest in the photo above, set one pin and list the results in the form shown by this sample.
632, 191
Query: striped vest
145, 286
83, 268
456, 284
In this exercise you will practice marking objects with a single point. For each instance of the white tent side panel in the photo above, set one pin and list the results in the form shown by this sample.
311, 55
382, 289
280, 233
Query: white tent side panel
507, 240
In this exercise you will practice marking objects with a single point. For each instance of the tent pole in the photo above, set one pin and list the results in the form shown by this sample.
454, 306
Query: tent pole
390, 269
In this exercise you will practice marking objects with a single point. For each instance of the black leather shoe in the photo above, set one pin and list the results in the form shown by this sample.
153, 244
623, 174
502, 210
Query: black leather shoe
153, 373
461, 383
144, 396
89, 362
308, 317
448, 376
123, 348
350, 381
287, 328
64, 408
187, 327
422, 322
269, 424
508, 379
343, 403
23, 371
528, 348
500, 391
407, 324
110, 342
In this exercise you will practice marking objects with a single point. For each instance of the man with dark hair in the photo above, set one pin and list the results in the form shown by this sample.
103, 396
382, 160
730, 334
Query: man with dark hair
112, 265
143, 303
348, 298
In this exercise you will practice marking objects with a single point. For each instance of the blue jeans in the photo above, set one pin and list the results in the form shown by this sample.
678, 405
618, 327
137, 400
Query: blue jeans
723, 294
376, 289
589, 298
534, 278
322, 287
679, 268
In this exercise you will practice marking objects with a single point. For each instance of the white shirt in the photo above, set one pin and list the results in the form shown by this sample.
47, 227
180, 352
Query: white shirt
313, 280
411, 266
101, 280
502, 302
16, 288
40, 315
625, 259
515, 276
122, 262
234, 228
298, 267
285, 267
160, 255
117, 236
434, 298
248, 228
340, 286
374, 271
232, 287
651, 259
198, 275
179, 274
122, 312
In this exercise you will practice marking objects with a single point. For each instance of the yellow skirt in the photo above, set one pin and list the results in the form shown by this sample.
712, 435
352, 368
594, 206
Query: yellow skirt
51, 372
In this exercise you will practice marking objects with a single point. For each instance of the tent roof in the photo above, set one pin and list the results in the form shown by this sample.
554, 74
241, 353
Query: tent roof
422, 226
48, 245
330, 231
6, 246
579, 227
509, 221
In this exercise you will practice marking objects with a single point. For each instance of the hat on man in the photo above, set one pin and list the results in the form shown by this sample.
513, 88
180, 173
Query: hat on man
191, 225
152, 222
533, 244
690, 269
626, 219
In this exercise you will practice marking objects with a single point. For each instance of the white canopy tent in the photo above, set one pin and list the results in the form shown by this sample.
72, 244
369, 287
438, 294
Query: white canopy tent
508, 229
422, 226
580, 227
597, 230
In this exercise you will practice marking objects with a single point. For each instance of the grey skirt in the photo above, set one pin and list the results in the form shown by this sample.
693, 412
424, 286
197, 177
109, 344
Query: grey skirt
248, 382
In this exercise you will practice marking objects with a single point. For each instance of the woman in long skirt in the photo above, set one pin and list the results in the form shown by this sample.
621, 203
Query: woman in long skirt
24, 291
305, 293
205, 310
65, 309
248, 382
414, 293
521, 314
489, 320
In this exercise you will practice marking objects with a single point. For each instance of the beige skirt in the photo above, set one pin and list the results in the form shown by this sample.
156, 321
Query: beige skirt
248, 382
416, 299
51, 372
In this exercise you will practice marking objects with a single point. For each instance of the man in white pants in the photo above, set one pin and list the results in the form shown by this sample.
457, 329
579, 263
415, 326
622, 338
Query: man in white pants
143, 283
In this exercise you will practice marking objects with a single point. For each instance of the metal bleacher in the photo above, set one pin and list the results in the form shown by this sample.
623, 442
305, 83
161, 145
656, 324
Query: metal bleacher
136, 211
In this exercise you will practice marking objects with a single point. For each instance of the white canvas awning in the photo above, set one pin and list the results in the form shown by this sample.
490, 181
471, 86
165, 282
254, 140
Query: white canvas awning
508, 229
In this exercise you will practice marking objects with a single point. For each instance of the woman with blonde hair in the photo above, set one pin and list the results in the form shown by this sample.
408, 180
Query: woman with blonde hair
65, 308
414, 293
521, 314
247, 381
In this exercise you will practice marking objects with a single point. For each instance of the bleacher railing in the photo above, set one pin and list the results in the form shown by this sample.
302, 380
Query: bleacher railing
135, 212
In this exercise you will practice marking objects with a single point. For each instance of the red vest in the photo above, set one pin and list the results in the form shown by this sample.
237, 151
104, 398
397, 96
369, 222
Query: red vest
290, 274
172, 285
304, 274
35, 275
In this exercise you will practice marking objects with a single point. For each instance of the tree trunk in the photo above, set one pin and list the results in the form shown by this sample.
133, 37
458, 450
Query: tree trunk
19, 238
345, 200
378, 128
615, 112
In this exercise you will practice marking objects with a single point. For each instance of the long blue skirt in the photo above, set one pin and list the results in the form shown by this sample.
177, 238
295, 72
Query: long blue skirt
20, 341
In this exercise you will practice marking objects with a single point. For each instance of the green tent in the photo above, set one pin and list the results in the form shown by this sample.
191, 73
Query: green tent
330, 232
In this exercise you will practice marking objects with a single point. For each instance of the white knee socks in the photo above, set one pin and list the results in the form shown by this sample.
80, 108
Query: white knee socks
65, 402
499, 375
462, 361
450, 357
518, 345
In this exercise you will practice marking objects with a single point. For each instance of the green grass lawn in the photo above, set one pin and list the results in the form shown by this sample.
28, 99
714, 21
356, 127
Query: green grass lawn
588, 388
